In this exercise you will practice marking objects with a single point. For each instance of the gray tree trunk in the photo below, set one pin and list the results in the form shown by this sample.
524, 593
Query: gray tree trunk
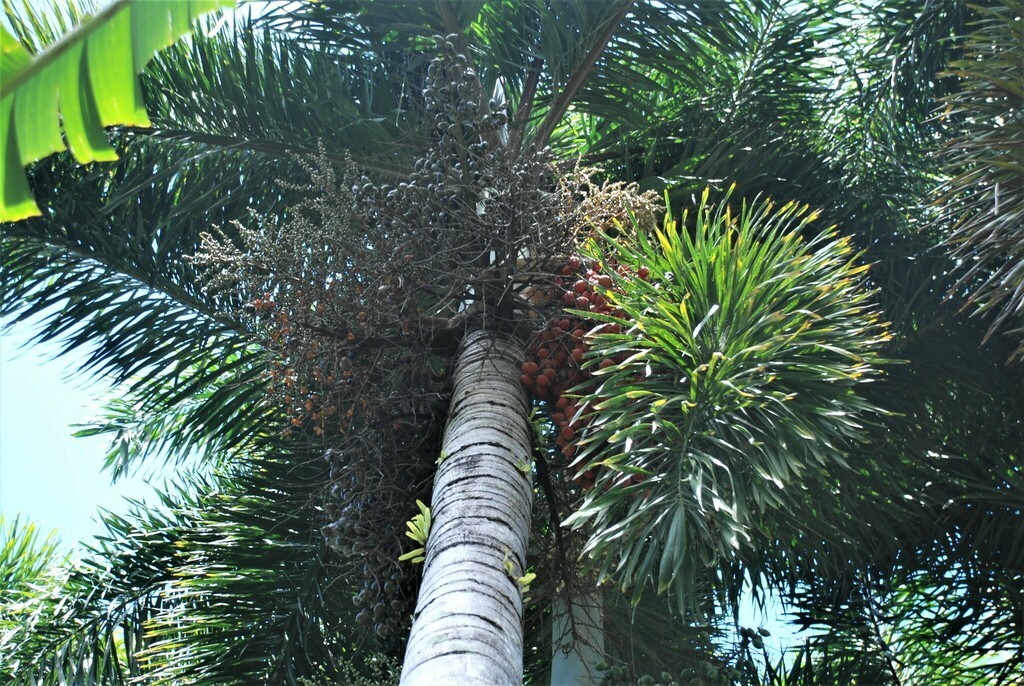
468, 626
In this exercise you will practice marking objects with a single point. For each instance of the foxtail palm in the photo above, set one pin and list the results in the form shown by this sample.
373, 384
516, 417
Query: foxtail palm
350, 78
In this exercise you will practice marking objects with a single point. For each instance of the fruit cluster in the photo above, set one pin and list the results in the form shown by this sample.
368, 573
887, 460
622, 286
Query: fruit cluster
382, 606
556, 355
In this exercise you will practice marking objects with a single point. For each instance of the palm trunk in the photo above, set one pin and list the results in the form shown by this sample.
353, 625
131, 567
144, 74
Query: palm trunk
468, 625
577, 639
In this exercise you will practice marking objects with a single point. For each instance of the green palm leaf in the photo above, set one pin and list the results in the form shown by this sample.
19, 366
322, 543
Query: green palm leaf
734, 384
81, 83
986, 163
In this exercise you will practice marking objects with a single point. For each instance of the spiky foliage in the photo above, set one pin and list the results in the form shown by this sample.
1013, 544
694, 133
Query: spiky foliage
140, 602
986, 163
732, 383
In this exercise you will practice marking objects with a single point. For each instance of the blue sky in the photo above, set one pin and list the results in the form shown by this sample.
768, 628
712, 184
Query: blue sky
47, 475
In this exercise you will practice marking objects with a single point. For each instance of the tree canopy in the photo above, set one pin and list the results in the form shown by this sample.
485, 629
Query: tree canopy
278, 272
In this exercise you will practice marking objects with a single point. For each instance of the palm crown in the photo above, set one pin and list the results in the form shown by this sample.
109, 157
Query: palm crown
235, 582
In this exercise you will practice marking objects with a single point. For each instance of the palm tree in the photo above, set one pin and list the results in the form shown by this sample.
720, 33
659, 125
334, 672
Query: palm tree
774, 134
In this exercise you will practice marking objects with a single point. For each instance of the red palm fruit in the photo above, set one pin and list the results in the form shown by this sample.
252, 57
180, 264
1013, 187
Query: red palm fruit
569, 451
566, 270
605, 280
567, 433
643, 273
527, 380
530, 368
548, 372
542, 381
564, 323
558, 418
562, 403
581, 286
579, 333
574, 263
583, 303
560, 355
605, 363
577, 355
543, 353
568, 298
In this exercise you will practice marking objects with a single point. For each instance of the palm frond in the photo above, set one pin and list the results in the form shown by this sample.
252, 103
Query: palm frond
734, 383
986, 191
82, 621
227, 580
80, 84
25, 556
310, 100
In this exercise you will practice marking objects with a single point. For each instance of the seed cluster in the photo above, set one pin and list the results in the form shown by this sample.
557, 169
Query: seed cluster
558, 368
